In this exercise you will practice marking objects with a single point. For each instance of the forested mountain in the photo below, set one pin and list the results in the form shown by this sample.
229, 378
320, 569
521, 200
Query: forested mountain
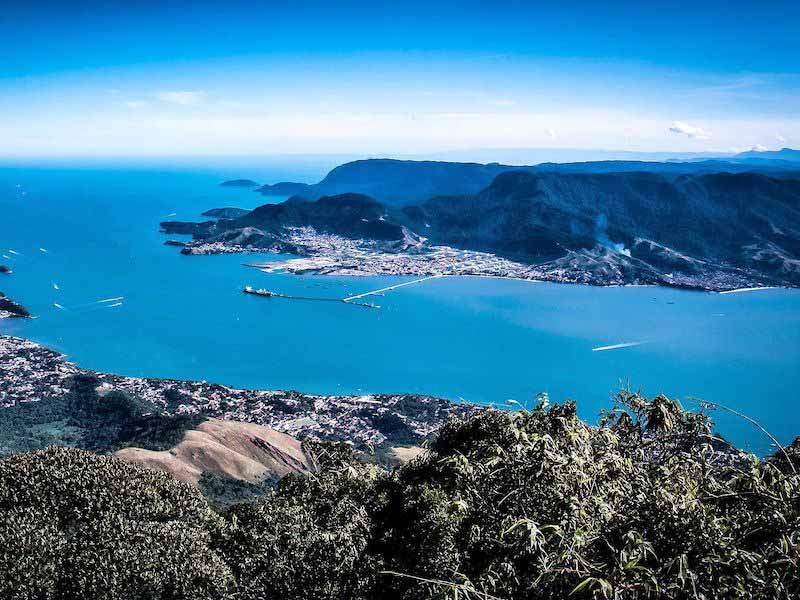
644, 226
403, 182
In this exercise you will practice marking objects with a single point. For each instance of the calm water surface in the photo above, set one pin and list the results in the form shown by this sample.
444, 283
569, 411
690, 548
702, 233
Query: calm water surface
478, 339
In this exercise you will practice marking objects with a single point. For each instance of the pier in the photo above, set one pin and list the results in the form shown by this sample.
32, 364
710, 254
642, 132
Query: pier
269, 294
264, 293
391, 287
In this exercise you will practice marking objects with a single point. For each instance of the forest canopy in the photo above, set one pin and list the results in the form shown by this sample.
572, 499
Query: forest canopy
514, 505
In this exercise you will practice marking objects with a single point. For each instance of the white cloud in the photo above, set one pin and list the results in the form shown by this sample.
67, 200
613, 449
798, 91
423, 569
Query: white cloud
184, 97
759, 148
691, 131
552, 133
780, 138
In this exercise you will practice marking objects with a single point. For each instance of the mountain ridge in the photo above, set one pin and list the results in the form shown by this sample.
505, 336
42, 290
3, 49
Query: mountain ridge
712, 230
404, 182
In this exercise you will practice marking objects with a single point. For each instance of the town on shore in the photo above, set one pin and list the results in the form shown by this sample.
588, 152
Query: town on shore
30, 373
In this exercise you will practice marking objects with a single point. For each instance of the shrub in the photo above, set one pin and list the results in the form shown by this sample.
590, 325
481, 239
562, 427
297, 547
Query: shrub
309, 539
540, 505
77, 525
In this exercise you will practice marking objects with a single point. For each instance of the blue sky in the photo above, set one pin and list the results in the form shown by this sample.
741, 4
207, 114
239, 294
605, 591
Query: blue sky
409, 77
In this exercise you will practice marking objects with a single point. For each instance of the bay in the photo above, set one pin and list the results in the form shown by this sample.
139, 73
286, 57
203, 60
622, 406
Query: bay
82, 235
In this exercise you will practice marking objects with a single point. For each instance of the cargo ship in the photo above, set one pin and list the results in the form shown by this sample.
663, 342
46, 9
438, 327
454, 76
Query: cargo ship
261, 292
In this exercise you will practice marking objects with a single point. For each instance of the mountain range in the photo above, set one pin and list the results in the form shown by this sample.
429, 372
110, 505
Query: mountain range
402, 182
648, 221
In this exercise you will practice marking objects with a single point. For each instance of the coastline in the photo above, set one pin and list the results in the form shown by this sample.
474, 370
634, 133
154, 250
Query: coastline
30, 372
9, 309
327, 254
281, 267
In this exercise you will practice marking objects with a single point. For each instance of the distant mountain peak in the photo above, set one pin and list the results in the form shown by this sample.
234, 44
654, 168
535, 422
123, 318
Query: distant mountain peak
787, 154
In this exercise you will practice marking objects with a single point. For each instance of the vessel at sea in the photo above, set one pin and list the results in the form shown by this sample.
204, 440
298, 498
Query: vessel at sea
260, 292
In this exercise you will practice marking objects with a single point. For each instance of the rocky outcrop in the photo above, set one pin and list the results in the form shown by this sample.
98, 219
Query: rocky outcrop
9, 308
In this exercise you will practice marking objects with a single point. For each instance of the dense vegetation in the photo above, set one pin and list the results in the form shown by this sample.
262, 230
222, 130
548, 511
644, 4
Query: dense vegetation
83, 418
528, 504
77, 525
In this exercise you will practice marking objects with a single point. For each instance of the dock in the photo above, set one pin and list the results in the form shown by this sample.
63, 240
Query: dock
391, 287
270, 294
353, 300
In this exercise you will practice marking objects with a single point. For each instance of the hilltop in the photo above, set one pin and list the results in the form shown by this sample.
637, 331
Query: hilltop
396, 182
241, 451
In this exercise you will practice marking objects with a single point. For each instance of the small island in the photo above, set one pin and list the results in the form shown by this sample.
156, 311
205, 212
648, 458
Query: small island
5, 269
243, 183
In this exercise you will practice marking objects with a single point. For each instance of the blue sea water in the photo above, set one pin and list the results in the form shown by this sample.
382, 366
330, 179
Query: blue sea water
480, 340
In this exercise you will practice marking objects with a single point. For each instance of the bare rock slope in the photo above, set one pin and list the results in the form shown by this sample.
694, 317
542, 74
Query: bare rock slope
231, 449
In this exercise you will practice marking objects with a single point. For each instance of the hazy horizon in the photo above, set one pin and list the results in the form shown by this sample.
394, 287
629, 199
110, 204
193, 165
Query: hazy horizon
245, 78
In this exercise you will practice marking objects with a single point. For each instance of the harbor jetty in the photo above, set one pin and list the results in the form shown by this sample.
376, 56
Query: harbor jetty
353, 300
264, 293
391, 287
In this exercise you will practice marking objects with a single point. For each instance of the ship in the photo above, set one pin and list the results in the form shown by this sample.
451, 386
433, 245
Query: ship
259, 292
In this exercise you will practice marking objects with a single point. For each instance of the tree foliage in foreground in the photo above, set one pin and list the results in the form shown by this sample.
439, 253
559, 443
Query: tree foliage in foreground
74, 525
516, 505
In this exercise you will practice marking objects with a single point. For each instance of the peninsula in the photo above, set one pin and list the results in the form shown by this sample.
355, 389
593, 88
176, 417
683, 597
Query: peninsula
676, 226
10, 308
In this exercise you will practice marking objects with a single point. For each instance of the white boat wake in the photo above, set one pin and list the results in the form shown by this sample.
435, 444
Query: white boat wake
617, 346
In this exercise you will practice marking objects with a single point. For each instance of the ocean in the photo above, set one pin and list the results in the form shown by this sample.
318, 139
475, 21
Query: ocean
82, 235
